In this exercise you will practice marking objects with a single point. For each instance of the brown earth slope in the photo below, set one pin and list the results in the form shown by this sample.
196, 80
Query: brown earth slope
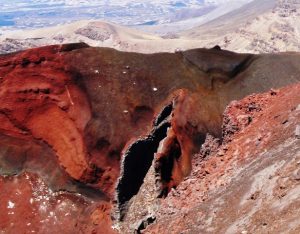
70, 113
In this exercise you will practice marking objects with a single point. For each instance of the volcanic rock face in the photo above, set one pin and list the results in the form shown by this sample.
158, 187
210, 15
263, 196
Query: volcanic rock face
70, 113
251, 184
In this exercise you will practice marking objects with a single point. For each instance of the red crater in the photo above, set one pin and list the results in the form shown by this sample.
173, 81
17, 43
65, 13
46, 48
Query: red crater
81, 127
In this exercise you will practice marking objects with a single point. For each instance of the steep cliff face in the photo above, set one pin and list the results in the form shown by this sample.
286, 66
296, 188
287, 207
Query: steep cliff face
74, 119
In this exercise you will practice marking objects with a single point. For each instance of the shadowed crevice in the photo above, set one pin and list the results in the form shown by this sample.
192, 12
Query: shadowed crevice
164, 114
242, 66
136, 163
138, 159
144, 223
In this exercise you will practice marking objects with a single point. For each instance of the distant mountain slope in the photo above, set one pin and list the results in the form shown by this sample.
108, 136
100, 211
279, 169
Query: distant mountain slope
233, 19
261, 26
257, 27
214, 10
94, 33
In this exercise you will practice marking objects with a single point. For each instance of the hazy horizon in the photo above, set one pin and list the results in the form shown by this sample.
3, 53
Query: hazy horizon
17, 14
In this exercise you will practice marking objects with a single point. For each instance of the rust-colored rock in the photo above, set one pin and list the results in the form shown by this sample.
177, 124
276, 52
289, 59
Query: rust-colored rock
27, 205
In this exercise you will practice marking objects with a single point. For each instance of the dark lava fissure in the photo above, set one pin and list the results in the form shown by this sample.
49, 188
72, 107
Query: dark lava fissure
164, 114
144, 223
138, 158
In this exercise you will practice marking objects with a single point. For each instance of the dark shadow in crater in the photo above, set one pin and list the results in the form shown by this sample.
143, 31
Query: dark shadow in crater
138, 159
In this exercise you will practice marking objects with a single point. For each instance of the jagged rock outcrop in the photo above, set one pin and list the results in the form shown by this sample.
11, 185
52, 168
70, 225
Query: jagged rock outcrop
71, 114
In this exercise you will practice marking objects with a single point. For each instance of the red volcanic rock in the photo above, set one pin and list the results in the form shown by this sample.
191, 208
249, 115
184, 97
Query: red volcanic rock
250, 185
35, 98
77, 118
27, 204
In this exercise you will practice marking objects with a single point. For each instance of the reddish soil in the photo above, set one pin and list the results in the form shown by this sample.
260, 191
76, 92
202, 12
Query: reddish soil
28, 206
